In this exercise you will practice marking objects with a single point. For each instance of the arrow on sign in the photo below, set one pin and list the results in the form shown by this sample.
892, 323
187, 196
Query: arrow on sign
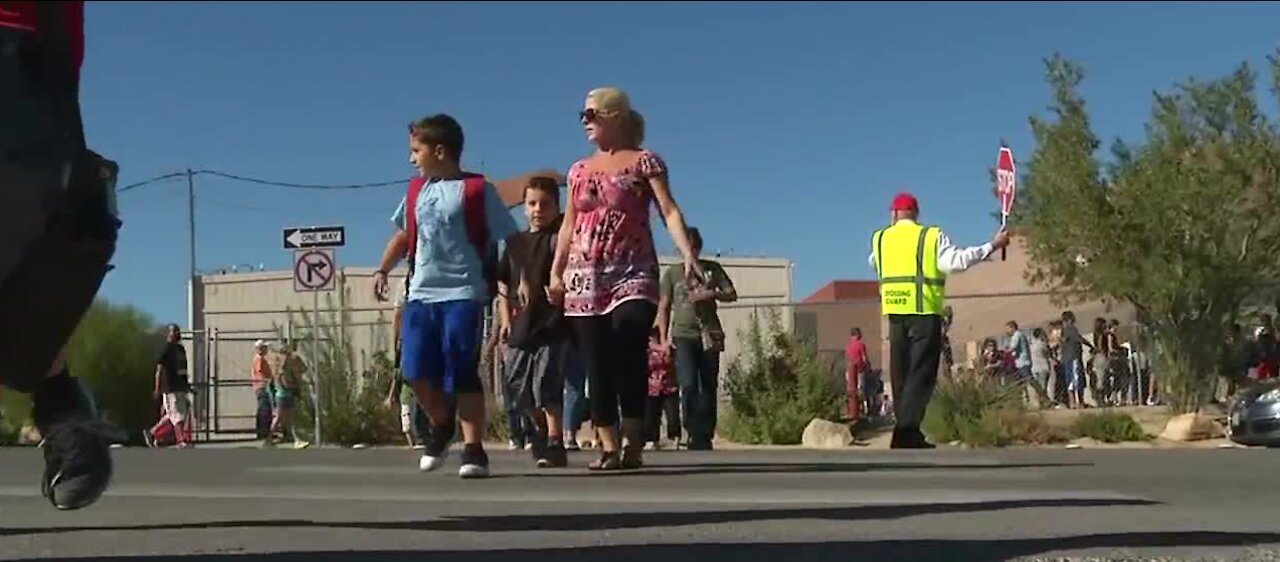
315, 271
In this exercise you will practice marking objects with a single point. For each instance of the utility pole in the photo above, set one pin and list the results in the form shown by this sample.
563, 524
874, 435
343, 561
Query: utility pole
191, 225
197, 350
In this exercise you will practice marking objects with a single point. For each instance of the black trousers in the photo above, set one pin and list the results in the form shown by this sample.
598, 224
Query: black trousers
915, 349
614, 349
655, 408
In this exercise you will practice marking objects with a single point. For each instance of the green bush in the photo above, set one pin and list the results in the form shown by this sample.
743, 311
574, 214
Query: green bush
15, 412
965, 408
114, 350
1029, 428
1109, 426
982, 412
352, 404
496, 430
777, 385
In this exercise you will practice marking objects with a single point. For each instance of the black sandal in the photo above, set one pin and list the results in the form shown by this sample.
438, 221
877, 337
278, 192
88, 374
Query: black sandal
607, 461
632, 458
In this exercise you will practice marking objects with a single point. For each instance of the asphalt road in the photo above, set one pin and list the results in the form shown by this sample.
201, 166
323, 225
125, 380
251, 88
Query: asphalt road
779, 506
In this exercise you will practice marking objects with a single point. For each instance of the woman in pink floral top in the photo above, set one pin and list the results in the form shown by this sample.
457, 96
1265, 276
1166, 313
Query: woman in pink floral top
606, 269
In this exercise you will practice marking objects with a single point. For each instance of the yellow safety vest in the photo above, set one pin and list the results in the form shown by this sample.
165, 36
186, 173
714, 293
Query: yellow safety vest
906, 256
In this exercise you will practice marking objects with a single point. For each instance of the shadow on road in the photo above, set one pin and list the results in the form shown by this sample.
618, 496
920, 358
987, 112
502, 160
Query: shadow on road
614, 521
913, 550
787, 468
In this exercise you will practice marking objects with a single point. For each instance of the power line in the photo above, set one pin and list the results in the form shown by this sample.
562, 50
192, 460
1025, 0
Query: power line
302, 185
151, 181
259, 181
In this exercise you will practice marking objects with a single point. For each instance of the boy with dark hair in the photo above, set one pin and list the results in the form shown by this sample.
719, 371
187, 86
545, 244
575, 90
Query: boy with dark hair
446, 226
532, 327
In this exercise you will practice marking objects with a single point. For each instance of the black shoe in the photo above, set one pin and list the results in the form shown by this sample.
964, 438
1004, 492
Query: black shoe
77, 444
909, 439
435, 447
538, 448
699, 446
475, 462
554, 456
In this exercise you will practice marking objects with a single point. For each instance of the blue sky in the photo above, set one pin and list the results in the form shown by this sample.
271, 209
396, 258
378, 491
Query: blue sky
787, 128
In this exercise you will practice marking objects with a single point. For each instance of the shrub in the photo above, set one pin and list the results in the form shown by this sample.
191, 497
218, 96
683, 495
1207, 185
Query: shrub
15, 412
114, 351
964, 408
1109, 426
1028, 428
352, 405
777, 385
496, 426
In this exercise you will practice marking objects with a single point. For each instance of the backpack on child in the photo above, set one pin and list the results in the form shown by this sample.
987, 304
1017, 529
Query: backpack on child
473, 211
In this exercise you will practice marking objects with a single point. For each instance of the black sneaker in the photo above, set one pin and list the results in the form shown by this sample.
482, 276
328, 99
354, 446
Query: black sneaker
538, 448
77, 444
475, 462
435, 448
554, 456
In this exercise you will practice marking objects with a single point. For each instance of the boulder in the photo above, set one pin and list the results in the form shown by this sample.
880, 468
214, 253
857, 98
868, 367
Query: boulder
29, 436
1191, 427
822, 434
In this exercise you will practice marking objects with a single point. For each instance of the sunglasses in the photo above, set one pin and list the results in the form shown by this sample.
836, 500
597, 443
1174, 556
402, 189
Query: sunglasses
588, 115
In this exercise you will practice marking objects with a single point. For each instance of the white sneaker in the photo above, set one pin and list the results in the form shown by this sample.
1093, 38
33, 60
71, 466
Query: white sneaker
475, 463
429, 463
473, 471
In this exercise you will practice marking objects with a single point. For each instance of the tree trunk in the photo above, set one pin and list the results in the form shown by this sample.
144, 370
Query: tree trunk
1189, 365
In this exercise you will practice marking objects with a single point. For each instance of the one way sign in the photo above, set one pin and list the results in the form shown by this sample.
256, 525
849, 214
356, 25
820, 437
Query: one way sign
314, 237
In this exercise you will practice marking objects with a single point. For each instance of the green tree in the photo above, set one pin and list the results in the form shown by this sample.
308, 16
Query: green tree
114, 350
1181, 224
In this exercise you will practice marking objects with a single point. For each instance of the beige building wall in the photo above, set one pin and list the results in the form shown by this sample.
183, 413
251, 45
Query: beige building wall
237, 309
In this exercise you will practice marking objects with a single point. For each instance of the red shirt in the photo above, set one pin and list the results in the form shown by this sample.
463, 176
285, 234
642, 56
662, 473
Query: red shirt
23, 15
662, 377
855, 355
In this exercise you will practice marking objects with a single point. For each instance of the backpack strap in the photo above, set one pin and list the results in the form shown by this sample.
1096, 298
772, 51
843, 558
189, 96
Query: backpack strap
411, 226
473, 210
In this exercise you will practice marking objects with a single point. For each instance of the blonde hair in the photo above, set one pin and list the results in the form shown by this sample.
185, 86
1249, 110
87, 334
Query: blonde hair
614, 104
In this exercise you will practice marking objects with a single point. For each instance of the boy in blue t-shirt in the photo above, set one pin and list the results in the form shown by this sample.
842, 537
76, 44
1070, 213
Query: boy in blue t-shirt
443, 320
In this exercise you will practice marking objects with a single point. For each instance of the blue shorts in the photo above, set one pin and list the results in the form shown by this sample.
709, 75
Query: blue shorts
441, 342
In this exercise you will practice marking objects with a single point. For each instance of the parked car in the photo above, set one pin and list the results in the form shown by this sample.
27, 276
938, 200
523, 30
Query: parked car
1254, 416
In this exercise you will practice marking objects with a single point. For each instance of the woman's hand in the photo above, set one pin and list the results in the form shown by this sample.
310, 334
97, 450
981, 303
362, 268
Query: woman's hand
380, 286
692, 271
556, 290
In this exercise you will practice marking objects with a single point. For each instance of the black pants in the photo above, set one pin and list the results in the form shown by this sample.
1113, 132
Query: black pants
654, 409
915, 348
56, 237
614, 349
264, 412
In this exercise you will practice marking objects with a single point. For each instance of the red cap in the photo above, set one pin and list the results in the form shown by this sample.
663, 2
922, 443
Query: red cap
904, 202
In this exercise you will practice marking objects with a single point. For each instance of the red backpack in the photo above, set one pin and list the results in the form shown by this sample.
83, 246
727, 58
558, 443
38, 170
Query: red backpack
474, 215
